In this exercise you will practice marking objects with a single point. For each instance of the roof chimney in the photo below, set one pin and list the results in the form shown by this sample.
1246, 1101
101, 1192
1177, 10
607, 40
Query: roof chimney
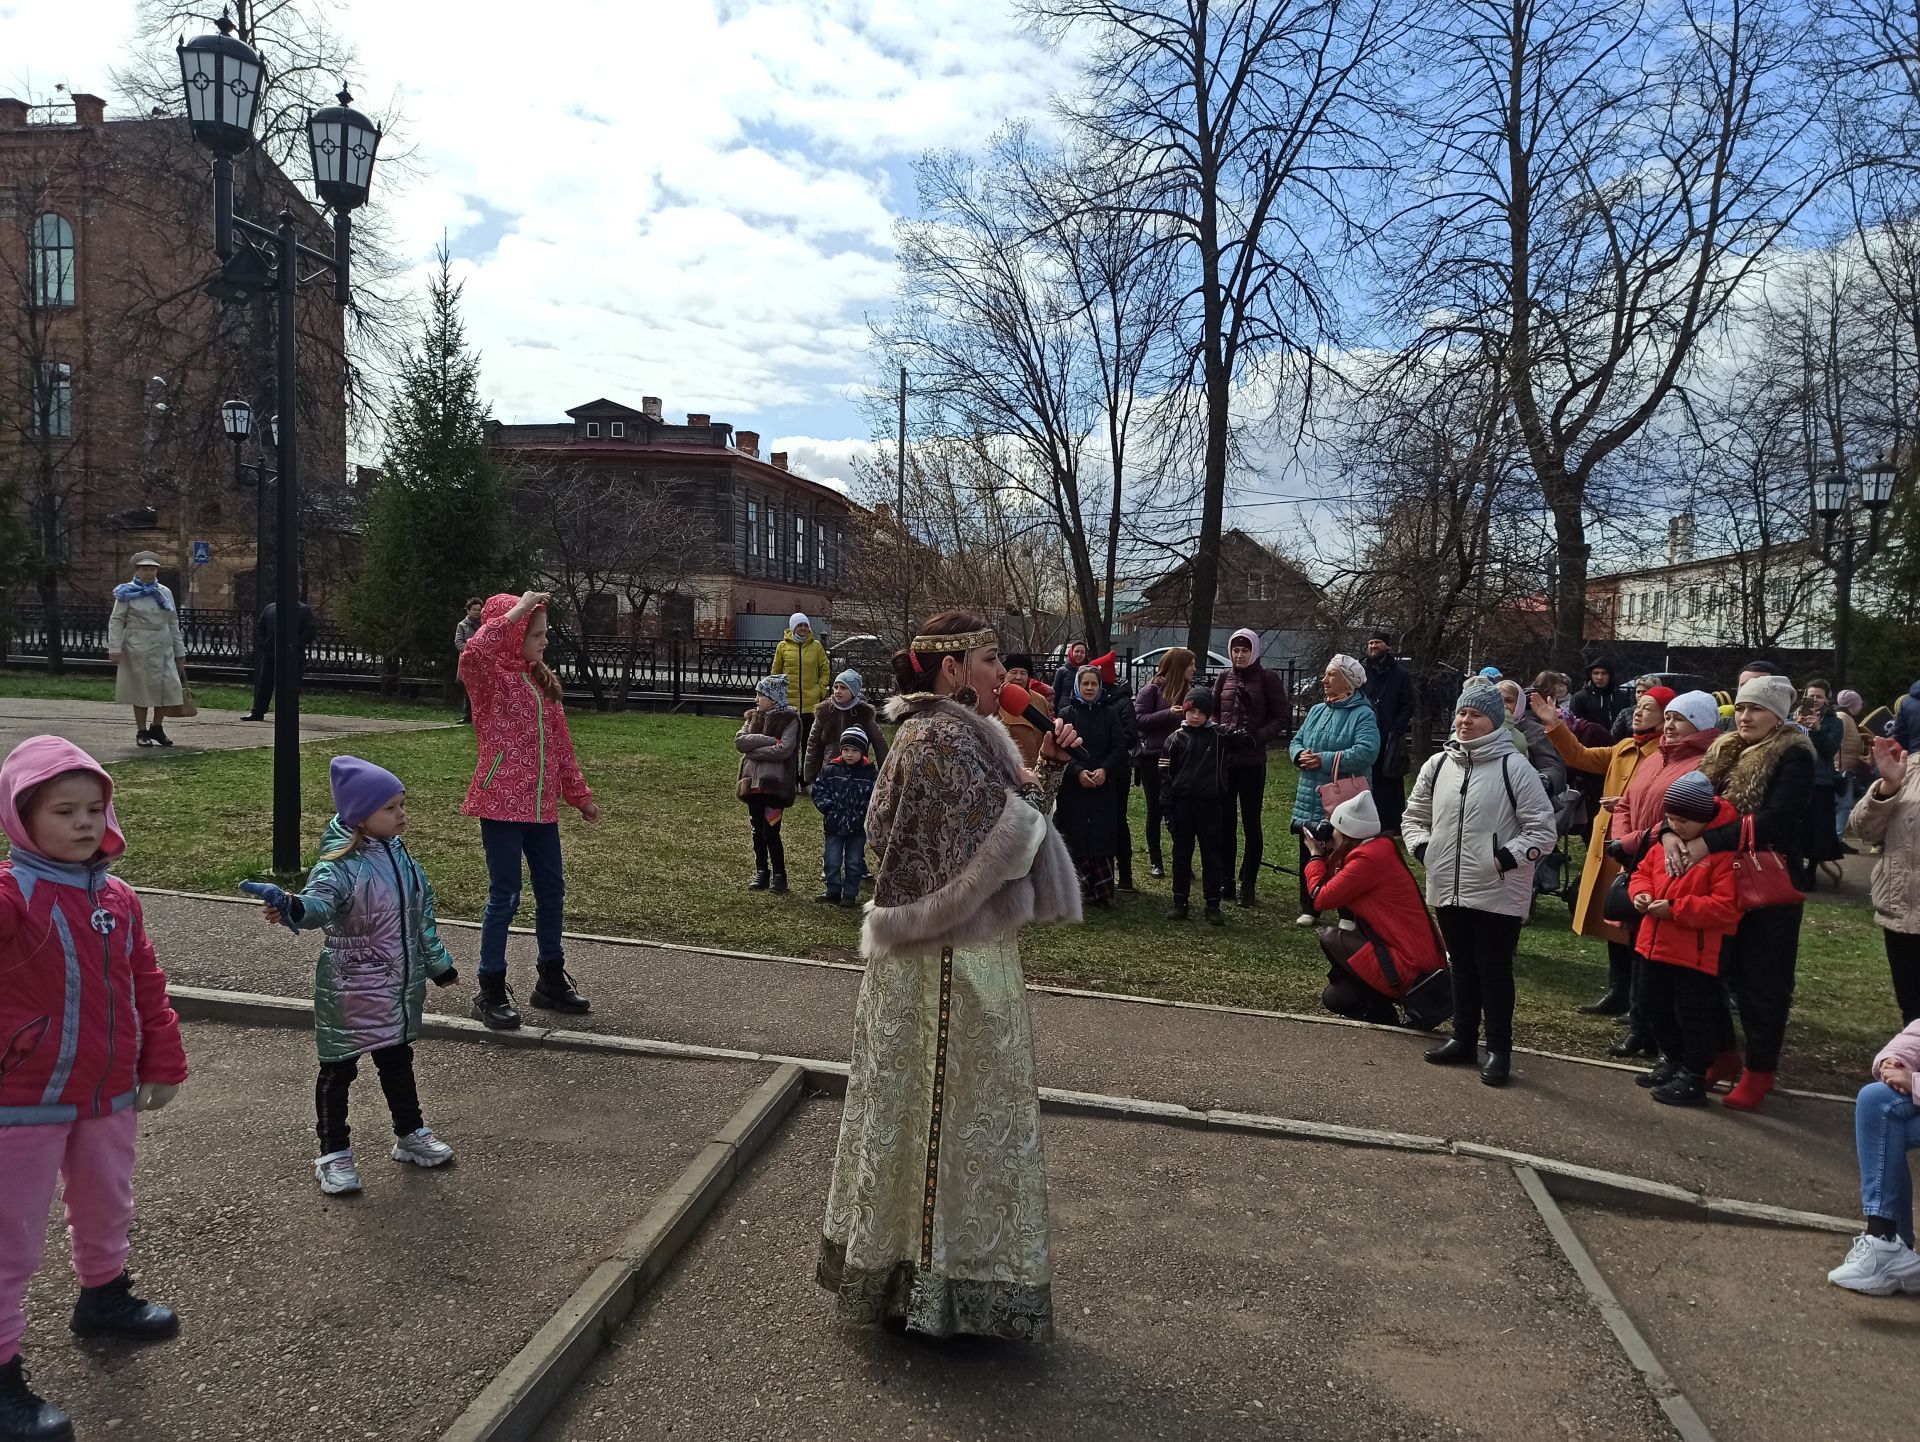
1680, 539
650, 407
748, 441
13, 112
699, 420
89, 109
779, 460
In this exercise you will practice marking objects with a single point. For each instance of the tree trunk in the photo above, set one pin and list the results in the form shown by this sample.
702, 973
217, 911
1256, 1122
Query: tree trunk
1206, 557
49, 568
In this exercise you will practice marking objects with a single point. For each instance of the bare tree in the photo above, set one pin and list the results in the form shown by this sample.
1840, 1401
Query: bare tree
1235, 128
1606, 178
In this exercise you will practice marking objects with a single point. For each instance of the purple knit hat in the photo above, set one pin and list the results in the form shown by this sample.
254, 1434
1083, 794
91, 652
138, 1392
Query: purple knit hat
360, 788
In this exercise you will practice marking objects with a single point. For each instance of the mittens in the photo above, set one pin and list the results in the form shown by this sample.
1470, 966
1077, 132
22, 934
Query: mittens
447, 977
271, 895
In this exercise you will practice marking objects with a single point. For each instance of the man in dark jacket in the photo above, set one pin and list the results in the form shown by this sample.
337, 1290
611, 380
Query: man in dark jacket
1252, 700
1600, 700
1195, 785
1906, 722
1389, 687
266, 651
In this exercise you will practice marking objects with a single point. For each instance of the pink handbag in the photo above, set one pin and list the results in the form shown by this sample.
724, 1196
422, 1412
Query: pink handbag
1339, 790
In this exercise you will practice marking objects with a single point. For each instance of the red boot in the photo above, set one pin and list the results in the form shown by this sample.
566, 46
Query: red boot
1750, 1090
1725, 1068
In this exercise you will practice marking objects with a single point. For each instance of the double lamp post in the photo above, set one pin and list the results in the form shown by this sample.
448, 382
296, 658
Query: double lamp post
1837, 500
222, 77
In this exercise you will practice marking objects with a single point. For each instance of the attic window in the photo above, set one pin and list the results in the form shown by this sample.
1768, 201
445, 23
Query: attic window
593, 430
617, 429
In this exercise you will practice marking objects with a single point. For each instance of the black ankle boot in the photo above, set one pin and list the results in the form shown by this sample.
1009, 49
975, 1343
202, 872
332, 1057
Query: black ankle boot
779, 885
1662, 1073
1215, 917
554, 991
493, 1004
1635, 1043
1498, 1068
159, 735
1456, 1052
1685, 1089
759, 882
1616, 1002
111, 1310
25, 1416
1245, 897
1177, 912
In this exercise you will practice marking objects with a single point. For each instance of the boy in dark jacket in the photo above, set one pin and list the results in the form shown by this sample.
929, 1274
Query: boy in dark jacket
1194, 792
842, 791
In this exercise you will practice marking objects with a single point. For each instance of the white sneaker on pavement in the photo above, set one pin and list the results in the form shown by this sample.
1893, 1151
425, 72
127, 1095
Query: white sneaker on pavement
423, 1149
1878, 1267
336, 1174
1305, 918
1348, 924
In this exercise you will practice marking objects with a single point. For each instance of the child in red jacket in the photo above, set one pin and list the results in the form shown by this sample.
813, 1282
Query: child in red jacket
1687, 917
87, 1038
525, 766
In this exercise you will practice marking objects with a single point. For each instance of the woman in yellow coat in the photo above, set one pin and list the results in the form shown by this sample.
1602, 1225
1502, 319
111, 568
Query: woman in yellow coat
803, 661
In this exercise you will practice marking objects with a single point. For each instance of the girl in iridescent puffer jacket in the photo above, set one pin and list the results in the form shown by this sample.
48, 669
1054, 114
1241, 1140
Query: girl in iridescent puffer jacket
370, 984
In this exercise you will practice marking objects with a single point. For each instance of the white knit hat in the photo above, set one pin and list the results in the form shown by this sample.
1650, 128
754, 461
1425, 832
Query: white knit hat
1773, 692
1357, 817
1698, 707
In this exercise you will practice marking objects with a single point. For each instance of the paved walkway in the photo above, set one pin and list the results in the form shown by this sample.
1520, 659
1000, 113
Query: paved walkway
1794, 1153
105, 731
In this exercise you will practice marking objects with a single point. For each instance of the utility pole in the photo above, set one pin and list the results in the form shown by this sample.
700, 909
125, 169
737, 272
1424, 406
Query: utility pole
900, 515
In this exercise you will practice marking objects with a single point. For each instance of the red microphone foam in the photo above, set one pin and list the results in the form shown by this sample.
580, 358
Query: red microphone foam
1014, 697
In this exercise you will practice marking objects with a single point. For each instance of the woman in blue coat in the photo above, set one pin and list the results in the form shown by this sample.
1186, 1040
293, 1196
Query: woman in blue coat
1339, 733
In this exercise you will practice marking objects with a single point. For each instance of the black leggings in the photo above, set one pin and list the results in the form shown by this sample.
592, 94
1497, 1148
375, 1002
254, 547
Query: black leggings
395, 1065
769, 853
1150, 778
1757, 965
1246, 795
1480, 947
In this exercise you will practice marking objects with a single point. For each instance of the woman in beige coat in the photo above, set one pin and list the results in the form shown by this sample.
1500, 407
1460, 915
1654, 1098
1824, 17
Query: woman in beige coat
143, 641
1888, 816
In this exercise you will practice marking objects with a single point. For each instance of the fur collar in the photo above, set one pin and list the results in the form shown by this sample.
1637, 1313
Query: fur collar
1742, 771
993, 736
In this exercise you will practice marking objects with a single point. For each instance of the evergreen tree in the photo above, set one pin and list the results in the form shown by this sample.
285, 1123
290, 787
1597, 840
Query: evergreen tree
436, 528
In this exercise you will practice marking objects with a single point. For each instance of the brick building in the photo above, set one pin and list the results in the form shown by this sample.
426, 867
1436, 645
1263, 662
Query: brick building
773, 541
1258, 589
109, 405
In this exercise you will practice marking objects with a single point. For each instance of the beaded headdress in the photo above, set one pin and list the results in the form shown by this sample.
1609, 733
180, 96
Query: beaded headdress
964, 642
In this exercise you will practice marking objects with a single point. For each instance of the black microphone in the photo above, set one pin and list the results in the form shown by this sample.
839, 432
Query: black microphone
1017, 699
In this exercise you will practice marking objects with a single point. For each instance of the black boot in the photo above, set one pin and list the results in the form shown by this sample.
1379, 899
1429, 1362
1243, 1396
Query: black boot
554, 991
493, 1004
111, 1310
1245, 898
779, 885
24, 1416
1635, 1043
1459, 1051
1662, 1073
1617, 1002
759, 882
1686, 1089
1215, 917
159, 735
1498, 1068
1178, 911
144, 738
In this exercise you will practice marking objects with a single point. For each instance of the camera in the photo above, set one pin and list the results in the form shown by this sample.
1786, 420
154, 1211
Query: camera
1323, 834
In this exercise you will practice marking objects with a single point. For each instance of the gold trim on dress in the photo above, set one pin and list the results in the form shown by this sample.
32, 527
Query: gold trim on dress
939, 1096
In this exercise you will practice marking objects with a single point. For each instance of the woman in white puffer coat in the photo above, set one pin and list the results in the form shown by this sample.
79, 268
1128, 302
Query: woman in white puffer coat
1479, 819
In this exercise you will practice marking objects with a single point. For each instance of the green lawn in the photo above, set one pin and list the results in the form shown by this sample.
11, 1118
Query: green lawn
671, 859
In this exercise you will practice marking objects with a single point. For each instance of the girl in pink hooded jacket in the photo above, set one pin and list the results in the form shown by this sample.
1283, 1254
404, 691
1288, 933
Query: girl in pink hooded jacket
1886, 1126
87, 1038
526, 764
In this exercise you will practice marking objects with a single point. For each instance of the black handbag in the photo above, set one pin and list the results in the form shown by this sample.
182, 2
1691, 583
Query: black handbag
1618, 907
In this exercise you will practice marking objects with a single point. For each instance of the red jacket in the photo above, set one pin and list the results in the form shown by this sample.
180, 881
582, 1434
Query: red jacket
1375, 885
526, 758
84, 1016
1704, 913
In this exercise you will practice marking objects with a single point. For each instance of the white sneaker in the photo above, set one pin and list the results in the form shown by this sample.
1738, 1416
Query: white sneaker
1347, 923
336, 1174
423, 1149
1306, 918
1878, 1267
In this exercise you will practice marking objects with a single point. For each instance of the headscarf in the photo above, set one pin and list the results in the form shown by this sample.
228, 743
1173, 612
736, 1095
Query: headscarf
1252, 638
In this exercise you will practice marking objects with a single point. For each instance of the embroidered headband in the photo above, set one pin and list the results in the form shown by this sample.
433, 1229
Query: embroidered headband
966, 641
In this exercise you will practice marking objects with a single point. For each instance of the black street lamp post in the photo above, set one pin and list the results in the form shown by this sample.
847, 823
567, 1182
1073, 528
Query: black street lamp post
1837, 500
222, 78
236, 418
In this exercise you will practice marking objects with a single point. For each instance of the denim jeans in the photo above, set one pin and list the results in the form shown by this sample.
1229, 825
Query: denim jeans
844, 857
505, 843
1844, 795
1886, 1126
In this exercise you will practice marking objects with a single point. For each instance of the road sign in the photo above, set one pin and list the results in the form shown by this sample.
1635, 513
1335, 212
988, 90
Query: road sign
202, 552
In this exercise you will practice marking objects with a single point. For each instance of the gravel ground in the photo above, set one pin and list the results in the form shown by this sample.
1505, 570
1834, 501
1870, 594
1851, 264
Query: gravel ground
309, 1318
1746, 1321
1423, 1300
1793, 1153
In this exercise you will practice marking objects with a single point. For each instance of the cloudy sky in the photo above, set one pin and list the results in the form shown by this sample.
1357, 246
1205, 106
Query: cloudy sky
683, 198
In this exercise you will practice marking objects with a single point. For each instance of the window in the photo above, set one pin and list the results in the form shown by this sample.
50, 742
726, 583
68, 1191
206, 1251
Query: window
800, 543
1256, 586
53, 400
617, 429
773, 535
50, 260
593, 430
820, 548
753, 530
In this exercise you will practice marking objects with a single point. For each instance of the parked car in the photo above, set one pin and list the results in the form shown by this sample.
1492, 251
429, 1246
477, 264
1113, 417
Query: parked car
1144, 666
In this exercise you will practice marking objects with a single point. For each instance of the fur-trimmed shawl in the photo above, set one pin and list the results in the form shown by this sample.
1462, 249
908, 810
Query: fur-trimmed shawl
1741, 771
966, 852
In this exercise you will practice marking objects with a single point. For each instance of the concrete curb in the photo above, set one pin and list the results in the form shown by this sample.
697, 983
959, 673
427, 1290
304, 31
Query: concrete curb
513, 1405
1074, 992
830, 1078
1680, 1412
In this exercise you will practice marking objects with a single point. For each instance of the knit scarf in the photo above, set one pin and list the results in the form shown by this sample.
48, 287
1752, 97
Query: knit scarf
1741, 770
134, 590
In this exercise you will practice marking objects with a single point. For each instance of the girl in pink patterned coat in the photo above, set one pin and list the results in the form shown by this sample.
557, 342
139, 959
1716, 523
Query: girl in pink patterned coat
526, 766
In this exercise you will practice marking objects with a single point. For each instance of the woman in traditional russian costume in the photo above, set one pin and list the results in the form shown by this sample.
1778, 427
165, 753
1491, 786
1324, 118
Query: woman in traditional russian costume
937, 1213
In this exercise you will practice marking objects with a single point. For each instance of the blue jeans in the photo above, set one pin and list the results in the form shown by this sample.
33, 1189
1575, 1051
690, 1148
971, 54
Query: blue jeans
846, 857
1844, 795
1886, 1126
505, 843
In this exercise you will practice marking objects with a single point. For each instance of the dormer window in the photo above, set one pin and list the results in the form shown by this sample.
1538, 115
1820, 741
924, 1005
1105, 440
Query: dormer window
593, 430
617, 430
